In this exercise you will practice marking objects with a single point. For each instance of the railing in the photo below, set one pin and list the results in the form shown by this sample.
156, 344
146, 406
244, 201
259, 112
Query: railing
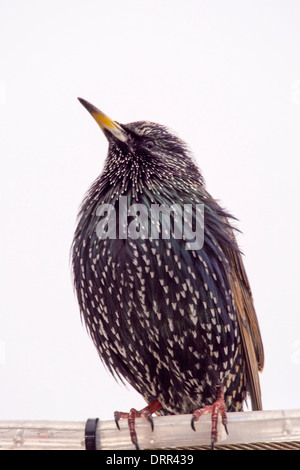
279, 429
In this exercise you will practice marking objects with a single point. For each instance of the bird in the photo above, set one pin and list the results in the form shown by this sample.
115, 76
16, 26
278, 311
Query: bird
170, 314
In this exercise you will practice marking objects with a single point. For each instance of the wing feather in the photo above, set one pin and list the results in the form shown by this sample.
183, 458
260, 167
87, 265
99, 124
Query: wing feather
248, 323
246, 314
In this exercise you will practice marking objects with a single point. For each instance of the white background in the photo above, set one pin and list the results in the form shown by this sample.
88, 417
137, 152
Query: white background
225, 75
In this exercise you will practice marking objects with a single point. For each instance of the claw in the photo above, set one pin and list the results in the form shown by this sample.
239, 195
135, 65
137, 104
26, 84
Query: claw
135, 442
218, 407
150, 419
117, 421
133, 414
212, 444
226, 429
193, 423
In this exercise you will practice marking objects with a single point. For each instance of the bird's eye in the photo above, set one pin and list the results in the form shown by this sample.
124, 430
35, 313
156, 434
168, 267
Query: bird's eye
149, 144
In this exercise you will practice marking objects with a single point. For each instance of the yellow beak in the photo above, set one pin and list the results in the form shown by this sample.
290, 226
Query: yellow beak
105, 123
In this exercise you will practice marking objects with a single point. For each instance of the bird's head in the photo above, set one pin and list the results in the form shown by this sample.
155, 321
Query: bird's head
145, 153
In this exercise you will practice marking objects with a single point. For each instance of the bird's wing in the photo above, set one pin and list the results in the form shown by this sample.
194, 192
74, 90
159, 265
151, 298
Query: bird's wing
247, 319
248, 323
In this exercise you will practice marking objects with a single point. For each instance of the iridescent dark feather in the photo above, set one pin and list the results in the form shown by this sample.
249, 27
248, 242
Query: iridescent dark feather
172, 322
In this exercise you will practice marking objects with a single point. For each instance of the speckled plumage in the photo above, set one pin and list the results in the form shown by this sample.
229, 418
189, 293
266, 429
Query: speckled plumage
172, 322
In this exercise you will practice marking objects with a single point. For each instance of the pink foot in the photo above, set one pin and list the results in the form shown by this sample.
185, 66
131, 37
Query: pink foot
218, 407
133, 413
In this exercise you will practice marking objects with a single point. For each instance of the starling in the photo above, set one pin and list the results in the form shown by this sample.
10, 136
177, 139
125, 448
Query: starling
170, 313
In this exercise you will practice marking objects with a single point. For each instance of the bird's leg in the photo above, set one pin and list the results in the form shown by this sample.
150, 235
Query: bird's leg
218, 407
133, 413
